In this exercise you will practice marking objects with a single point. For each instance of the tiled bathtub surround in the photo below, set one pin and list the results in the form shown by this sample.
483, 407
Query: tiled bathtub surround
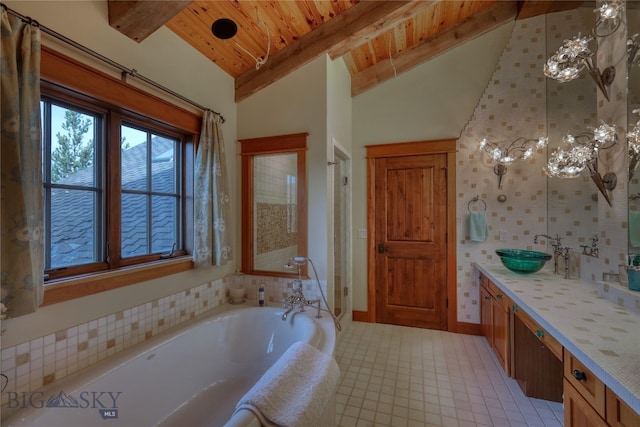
278, 288
36, 363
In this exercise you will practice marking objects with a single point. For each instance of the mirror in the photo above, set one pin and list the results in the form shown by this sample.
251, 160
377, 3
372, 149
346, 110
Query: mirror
633, 103
274, 203
571, 107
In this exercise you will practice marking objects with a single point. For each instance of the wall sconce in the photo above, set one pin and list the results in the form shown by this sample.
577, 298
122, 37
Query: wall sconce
633, 51
575, 54
633, 141
519, 149
583, 154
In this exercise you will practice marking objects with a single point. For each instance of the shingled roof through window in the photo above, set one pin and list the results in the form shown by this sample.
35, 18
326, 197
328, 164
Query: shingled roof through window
72, 211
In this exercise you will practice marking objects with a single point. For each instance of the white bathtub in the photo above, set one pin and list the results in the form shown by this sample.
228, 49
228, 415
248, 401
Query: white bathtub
192, 377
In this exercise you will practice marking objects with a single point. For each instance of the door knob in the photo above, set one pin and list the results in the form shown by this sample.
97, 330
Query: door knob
382, 248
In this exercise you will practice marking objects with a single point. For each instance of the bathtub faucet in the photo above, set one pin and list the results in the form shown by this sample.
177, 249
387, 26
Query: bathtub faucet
298, 300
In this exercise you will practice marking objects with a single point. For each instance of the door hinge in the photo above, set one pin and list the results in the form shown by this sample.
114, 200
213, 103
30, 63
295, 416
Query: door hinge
447, 303
446, 171
345, 180
346, 291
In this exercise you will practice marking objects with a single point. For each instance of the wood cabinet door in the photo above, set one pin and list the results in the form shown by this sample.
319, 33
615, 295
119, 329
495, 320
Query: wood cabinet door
577, 412
486, 315
501, 334
619, 414
411, 246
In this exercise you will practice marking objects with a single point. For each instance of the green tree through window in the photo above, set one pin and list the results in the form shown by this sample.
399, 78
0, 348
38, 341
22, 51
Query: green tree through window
72, 153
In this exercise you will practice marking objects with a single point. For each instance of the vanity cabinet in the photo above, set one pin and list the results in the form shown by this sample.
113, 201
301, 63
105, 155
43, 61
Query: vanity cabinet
543, 363
588, 402
494, 319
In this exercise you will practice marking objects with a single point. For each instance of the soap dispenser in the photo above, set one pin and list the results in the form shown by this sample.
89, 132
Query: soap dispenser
261, 295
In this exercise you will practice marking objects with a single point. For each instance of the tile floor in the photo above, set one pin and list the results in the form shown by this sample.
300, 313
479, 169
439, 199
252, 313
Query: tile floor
404, 377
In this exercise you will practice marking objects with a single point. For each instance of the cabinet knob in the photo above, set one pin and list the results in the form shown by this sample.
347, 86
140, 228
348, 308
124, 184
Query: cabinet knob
499, 296
487, 297
514, 307
539, 333
579, 375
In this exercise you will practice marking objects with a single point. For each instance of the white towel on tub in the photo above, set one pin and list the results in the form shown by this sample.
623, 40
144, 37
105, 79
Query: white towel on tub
296, 390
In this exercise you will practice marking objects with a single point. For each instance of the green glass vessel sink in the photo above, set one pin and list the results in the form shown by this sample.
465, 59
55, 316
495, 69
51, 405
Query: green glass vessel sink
523, 261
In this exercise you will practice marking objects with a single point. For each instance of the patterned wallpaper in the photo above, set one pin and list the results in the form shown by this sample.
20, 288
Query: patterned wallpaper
513, 105
520, 101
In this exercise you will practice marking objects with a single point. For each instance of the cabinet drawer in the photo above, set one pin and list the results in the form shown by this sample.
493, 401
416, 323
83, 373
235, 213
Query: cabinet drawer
619, 414
585, 382
501, 299
483, 280
550, 342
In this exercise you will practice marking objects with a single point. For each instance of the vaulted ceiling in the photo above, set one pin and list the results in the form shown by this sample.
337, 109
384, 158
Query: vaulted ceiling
376, 39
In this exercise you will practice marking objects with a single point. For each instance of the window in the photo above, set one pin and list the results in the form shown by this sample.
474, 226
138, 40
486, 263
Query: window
150, 182
133, 147
72, 141
109, 200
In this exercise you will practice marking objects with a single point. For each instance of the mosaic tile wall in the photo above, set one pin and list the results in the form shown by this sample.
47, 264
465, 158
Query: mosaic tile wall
36, 363
277, 288
520, 101
571, 108
513, 105
274, 221
614, 220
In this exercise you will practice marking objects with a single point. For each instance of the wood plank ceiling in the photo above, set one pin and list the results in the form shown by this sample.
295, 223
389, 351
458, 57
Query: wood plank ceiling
376, 39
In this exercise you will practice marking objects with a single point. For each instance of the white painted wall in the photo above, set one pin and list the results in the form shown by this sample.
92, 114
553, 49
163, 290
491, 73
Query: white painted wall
432, 101
339, 129
294, 104
166, 59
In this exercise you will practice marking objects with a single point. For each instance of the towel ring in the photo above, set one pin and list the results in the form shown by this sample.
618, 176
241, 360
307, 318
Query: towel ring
476, 199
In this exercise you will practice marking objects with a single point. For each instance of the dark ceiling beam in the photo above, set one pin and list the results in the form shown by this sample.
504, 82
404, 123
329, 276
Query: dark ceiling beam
354, 20
138, 19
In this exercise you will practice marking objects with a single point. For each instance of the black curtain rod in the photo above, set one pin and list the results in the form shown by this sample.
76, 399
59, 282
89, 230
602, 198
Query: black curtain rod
125, 71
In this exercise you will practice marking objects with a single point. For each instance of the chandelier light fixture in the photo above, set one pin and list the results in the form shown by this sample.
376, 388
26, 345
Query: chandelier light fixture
579, 52
633, 51
582, 154
633, 141
519, 149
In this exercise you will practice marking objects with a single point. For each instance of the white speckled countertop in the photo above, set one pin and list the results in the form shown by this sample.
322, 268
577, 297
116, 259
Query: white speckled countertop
603, 335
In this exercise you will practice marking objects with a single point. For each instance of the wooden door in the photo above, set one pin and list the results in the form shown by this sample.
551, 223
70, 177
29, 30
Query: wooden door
411, 247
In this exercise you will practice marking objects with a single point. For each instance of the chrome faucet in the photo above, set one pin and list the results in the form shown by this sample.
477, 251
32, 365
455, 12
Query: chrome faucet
558, 251
591, 250
297, 299
556, 248
565, 252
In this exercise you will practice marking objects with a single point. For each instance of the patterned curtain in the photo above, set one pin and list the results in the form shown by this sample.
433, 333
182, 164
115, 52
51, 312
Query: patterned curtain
211, 210
21, 225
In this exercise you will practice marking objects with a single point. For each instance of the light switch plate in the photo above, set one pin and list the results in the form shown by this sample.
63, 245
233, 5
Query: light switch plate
362, 233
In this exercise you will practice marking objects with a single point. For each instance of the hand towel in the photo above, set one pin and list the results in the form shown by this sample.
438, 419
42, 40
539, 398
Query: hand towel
296, 390
478, 229
634, 228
